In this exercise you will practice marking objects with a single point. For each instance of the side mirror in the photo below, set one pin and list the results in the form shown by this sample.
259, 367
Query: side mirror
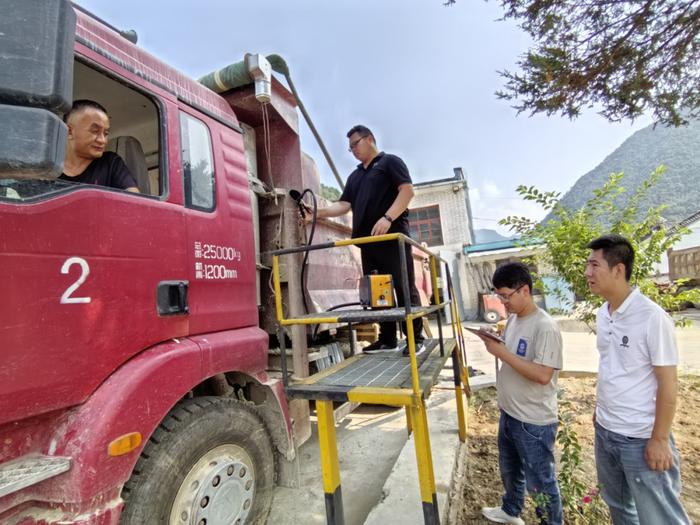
36, 83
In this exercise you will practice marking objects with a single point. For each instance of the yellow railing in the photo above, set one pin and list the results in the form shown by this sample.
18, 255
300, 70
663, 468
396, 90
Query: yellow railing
412, 400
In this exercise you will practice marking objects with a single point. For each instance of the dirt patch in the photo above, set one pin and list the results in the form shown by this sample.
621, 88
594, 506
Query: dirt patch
482, 486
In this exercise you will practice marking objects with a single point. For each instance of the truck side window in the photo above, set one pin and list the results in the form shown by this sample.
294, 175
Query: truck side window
197, 164
135, 136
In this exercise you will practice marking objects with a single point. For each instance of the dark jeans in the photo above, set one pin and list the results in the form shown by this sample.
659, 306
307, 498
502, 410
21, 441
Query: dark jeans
635, 493
383, 258
526, 459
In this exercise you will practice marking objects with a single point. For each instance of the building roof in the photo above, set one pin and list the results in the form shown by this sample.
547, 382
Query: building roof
690, 219
435, 182
490, 246
499, 245
673, 228
458, 177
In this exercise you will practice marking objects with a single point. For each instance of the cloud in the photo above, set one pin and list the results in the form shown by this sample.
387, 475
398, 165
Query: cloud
491, 190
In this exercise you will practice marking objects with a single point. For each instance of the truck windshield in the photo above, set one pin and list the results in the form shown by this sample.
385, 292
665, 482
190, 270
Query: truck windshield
26, 190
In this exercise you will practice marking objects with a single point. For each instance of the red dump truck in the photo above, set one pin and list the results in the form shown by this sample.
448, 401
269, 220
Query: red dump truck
135, 329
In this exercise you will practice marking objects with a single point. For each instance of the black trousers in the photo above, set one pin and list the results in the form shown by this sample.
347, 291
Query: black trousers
383, 258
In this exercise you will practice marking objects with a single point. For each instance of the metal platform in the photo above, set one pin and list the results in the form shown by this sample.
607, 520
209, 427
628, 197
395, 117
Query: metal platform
358, 315
380, 379
391, 371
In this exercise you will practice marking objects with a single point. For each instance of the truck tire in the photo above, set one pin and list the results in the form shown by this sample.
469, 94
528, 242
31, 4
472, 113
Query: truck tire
491, 316
210, 462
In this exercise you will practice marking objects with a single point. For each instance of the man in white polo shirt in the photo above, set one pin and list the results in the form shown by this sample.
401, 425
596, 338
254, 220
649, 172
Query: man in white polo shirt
636, 458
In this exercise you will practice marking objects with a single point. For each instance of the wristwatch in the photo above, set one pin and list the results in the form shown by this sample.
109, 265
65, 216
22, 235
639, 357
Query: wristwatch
388, 217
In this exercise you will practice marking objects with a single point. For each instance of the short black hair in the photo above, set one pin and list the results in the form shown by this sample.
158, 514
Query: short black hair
512, 275
361, 130
616, 249
81, 104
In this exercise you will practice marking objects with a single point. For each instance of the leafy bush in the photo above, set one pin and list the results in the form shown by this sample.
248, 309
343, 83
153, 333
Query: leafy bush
582, 504
566, 233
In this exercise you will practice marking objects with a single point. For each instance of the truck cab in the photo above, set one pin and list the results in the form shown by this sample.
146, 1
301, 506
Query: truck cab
134, 385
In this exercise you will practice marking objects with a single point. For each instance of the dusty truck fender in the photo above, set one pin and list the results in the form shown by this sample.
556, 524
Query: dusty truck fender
136, 398
264, 392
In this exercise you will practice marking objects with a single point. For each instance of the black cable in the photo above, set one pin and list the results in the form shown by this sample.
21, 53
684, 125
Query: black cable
304, 264
343, 305
334, 307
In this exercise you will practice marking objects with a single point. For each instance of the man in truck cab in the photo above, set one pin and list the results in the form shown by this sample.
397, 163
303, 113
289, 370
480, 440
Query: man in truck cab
378, 193
86, 160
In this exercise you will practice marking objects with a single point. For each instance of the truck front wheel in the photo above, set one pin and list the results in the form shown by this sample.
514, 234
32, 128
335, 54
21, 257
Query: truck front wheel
209, 462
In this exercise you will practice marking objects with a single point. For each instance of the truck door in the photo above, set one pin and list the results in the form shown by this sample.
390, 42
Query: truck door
91, 275
220, 250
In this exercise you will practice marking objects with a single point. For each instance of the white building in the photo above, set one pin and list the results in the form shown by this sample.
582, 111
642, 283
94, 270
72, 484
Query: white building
440, 217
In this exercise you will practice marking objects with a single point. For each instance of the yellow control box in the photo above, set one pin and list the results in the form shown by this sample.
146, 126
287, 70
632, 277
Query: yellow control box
377, 291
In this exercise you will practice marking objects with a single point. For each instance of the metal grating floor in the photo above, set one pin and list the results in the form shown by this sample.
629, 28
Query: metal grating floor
392, 370
378, 370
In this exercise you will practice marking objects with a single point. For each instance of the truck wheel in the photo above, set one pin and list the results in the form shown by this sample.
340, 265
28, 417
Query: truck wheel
491, 316
209, 462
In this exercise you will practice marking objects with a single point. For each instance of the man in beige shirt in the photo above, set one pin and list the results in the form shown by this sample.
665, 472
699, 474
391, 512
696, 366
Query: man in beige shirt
527, 396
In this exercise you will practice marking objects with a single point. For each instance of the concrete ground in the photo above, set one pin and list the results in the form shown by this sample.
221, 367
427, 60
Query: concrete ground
369, 440
378, 471
377, 460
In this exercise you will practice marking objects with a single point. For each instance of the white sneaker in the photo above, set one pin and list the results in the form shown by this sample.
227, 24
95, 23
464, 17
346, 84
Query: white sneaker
420, 348
497, 515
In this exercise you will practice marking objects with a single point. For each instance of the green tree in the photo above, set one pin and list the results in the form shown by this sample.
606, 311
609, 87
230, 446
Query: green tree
329, 192
566, 232
626, 56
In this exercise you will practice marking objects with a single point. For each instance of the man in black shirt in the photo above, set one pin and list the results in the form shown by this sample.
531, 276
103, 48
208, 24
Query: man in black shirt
86, 160
378, 193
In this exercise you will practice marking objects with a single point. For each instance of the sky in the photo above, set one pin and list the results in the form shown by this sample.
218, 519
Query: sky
420, 75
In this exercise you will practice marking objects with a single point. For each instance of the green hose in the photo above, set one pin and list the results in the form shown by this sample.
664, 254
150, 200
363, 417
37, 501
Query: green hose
230, 77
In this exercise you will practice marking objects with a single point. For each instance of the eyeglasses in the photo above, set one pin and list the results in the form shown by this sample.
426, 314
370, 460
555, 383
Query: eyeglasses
354, 143
506, 297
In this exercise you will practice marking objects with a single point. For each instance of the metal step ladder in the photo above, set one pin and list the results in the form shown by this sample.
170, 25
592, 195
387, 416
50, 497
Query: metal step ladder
29, 470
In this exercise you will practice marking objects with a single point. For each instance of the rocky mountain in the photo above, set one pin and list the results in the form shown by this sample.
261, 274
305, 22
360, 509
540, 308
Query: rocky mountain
676, 148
